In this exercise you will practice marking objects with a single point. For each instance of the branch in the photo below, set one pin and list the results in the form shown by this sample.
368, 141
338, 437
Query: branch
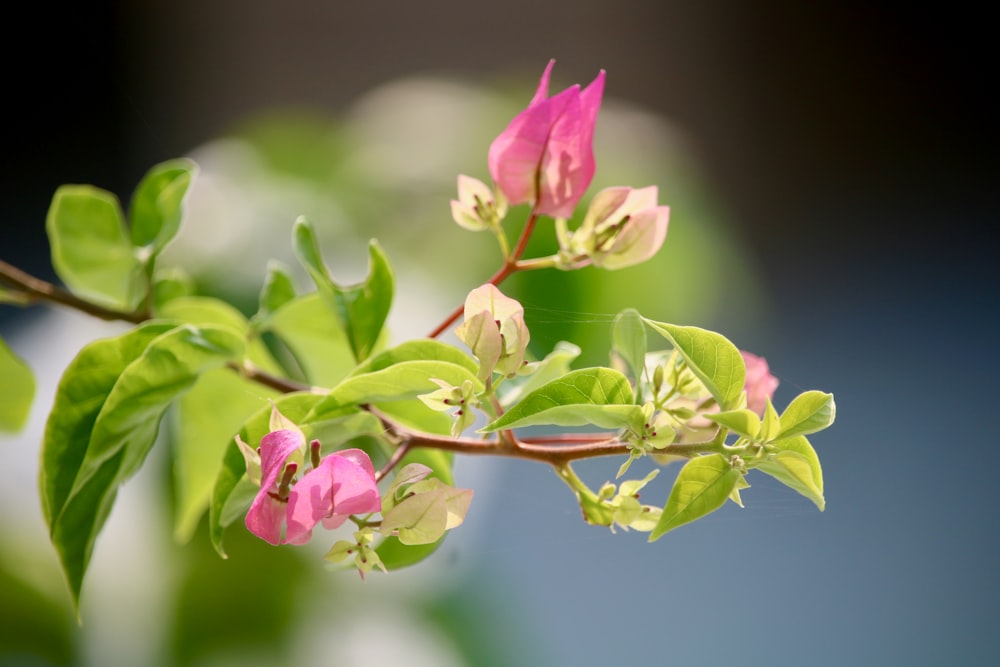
37, 290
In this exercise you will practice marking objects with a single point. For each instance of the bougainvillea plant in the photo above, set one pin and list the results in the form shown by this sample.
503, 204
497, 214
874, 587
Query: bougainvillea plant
366, 463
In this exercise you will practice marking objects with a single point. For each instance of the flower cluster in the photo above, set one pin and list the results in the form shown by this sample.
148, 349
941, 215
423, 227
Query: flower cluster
338, 486
545, 158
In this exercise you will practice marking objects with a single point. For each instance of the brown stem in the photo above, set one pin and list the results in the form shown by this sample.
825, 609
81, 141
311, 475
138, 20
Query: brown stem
37, 289
510, 266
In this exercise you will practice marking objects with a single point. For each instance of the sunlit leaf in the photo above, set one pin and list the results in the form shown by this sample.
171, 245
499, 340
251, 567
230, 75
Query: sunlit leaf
400, 381
314, 336
702, 486
17, 390
796, 465
555, 365
91, 250
601, 397
711, 357
125, 429
361, 309
744, 422
808, 412
628, 339
155, 211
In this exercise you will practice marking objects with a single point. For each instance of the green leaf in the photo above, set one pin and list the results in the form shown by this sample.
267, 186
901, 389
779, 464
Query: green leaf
628, 339
404, 380
422, 349
17, 390
82, 392
155, 211
91, 250
205, 421
711, 357
808, 412
125, 430
278, 289
796, 465
770, 424
314, 336
362, 308
702, 486
744, 422
598, 396
555, 365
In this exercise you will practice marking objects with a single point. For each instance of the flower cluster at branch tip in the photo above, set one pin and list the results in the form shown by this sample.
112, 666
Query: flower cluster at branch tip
623, 226
495, 331
760, 383
545, 156
338, 486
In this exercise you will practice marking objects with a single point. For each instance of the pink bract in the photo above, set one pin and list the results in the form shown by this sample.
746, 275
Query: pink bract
267, 513
546, 154
341, 485
760, 384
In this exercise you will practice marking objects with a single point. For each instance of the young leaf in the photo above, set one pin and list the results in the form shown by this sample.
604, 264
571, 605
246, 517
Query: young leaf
91, 251
628, 339
555, 365
278, 289
808, 412
796, 465
421, 349
155, 211
314, 336
711, 357
598, 396
395, 554
419, 519
702, 486
361, 309
743, 422
17, 390
125, 430
400, 381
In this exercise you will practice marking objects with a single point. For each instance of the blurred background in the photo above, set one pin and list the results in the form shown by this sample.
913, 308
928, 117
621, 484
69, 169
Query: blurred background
834, 164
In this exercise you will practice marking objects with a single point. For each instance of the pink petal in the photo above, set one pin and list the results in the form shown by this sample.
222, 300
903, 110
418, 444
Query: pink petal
340, 486
266, 513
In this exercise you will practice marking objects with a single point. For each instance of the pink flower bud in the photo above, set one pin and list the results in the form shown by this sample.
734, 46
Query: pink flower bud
759, 384
494, 330
623, 226
546, 154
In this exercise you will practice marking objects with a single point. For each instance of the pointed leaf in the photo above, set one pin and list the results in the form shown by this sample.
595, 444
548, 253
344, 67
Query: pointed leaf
91, 250
796, 465
404, 380
808, 412
555, 365
17, 390
702, 486
628, 339
743, 422
315, 337
278, 289
711, 357
423, 349
125, 430
598, 396
155, 211
361, 309
419, 519
82, 392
